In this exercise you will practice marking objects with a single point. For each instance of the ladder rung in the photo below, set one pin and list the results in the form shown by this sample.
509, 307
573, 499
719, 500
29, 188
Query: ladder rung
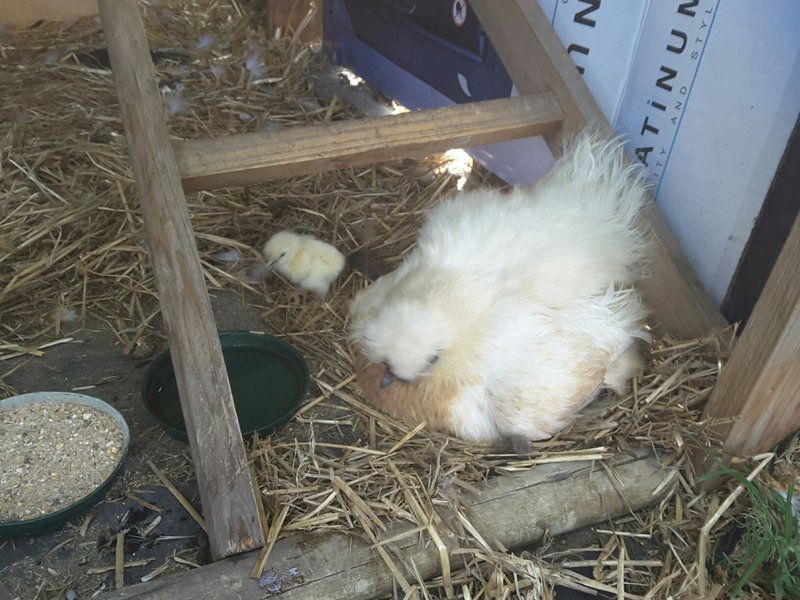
253, 157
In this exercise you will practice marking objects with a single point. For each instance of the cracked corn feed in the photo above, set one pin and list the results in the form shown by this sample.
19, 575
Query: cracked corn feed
52, 455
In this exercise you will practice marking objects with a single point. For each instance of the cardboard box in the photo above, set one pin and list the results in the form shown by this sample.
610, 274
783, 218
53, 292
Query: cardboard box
706, 92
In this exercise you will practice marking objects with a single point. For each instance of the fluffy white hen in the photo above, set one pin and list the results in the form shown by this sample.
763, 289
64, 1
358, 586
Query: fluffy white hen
304, 260
513, 311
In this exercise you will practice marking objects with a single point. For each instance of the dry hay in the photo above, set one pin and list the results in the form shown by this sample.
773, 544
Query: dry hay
381, 462
71, 244
71, 249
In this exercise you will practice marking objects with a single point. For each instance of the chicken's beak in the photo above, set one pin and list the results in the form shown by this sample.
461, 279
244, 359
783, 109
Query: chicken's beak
388, 379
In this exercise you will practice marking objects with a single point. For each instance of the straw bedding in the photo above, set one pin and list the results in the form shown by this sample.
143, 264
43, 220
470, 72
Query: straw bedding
71, 249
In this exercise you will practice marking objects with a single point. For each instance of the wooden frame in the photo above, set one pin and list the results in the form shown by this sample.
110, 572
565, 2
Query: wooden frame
522, 36
510, 511
556, 98
226, 490
758, 391
223, 477
759, 383
253, 157
22, 13
289, 16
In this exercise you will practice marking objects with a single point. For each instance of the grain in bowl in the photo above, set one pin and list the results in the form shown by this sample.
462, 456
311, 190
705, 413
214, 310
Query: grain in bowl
54, 453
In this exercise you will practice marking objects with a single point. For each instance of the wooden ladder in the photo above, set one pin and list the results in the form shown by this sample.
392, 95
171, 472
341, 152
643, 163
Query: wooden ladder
553, 99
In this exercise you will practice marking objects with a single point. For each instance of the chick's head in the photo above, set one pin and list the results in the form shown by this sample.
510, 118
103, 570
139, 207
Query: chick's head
408, 337
281, 247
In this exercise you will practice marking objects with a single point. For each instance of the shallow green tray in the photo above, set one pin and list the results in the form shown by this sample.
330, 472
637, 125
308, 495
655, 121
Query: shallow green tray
54, 520
269, 381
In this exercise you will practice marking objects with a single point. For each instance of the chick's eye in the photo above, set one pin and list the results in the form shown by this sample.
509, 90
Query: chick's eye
433, 360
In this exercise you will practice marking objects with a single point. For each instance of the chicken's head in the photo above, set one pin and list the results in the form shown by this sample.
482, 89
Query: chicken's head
282, 247
407, 337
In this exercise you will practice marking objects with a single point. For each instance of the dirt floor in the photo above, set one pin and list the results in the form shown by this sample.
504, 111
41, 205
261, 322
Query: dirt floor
50, 565
55, 564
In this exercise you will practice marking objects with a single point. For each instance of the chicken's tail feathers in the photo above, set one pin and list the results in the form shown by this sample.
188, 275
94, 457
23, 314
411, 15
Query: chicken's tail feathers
629, 310
595, 157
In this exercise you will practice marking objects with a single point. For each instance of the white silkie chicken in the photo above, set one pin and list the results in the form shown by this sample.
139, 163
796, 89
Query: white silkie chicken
304, 260
513, 311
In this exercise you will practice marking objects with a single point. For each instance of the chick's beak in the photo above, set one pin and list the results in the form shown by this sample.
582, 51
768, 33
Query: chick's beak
388, 378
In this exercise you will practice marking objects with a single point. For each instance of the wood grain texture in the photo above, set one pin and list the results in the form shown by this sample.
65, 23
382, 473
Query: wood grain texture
226, 492
27, 12
537, 61
288, 15
249, 158
514, 510
760, 385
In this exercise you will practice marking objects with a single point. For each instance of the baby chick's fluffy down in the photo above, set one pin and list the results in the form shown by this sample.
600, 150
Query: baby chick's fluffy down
513, 311
304, 260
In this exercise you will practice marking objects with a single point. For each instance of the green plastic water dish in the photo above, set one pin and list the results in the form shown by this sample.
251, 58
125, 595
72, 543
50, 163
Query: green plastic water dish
269, 382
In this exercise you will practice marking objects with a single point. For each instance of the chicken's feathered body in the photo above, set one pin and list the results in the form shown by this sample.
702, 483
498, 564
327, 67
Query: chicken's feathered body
513, 310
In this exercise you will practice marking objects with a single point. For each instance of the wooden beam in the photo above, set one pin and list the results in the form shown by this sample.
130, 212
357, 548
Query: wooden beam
253, 157
285, 17
516, 511
22, 13
760, 385
536, 60
226, 492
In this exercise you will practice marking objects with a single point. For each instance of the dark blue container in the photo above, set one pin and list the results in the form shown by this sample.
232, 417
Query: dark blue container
427, 54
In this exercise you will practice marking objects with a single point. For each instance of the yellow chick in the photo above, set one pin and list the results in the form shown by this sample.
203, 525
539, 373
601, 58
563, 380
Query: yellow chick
304, 260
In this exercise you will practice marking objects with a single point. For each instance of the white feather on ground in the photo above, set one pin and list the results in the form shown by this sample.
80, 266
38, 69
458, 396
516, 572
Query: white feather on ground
230, 256
513, 311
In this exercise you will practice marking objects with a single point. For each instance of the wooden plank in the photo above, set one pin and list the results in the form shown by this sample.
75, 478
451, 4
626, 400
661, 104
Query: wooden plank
678, 301
27, 12
287, 16
249, 158
537, 61
515, 510
226, 492
760, 385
